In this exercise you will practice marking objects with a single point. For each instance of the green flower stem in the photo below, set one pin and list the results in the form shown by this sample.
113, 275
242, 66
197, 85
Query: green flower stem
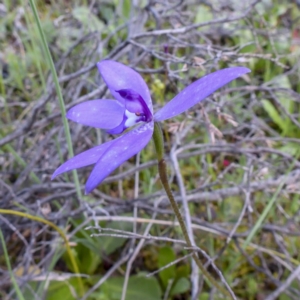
162, 169
158, 141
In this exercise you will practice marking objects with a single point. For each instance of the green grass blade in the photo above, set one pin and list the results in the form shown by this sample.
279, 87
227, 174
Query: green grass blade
262, 217
267, 209
12, 277
58, 91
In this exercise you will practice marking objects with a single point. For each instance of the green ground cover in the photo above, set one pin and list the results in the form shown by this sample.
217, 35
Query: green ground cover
237, 153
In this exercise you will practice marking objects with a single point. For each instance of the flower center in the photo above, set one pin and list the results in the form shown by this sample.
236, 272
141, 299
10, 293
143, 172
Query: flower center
135, 107
132, 119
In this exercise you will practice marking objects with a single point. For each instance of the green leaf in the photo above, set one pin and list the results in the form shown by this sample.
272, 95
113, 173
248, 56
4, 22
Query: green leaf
181, 286
126, 8
66, 37
110, 244
49, 30
204, 296
89, 261
284, 82
284, 297
139, 288
88, 252
30, 290
274, 115
204, 14
166, 255
252, 286
106, 12
86, 259
290, 148
65, 290
68, 262
87, 18
183, 271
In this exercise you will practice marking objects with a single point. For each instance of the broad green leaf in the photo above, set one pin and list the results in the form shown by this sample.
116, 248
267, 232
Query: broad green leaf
284, 297
29, 290
264, 6
290, 148
139, 288
182, 285
89, 261
252, 286
106, 12
65, 290
204, 14
66, 259
245, 35
110, 244
166, 255
274, 115
87, 18
88, 254
284, 82
49, 30
294, 205
66, 37
204, 296
183, 271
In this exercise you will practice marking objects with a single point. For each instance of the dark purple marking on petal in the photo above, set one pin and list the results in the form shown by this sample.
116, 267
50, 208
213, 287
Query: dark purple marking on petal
120, 150
136, 104
198, 91
120, 128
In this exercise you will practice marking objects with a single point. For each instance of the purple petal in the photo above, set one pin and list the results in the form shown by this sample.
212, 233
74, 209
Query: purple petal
120, 77
120, 128
198, 91
121, 150
104, 114
83, 159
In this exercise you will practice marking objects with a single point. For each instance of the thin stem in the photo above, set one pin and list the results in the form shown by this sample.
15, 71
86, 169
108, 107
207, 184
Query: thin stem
11, 273
164, 180
49, 59
158, 141
56, 228
162, 169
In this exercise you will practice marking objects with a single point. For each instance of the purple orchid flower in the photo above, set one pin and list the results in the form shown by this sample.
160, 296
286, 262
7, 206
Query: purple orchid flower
132, 106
